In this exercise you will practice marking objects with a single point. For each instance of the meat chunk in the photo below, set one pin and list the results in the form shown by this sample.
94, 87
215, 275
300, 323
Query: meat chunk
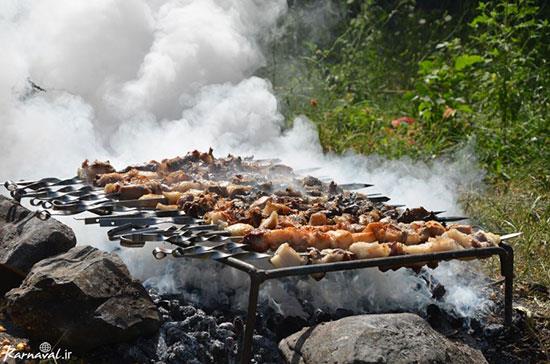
239, 229
88, 172
133, 192
317, 219
285, 256
434, 228
271, 222
106, 178
370, 250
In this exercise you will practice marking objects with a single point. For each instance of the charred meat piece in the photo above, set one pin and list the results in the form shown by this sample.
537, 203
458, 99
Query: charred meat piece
133, 192
152, 166
106, 178
311, 181
418, 213
168, 166
88, 172
175, 177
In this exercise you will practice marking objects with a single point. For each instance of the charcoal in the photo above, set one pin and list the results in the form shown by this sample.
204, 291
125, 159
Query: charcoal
209, 324
493, 330
226, 326
163, 311
202, 336
341, 313
173, 334
320, 316
223, 334
187, 311
193, 322
191, 335
179, 353
217, 348
165, 304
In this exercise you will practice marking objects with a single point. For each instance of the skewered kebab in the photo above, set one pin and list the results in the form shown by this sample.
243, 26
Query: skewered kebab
232, 193
380, 240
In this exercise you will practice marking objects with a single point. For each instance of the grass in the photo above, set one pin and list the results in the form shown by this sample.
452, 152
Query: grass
518, 205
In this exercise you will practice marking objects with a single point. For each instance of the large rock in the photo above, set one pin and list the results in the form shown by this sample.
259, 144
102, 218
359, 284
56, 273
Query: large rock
25, 241
387, 338
84, 299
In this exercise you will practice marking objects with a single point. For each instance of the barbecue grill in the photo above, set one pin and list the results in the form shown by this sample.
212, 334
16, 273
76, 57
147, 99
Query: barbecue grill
134, 222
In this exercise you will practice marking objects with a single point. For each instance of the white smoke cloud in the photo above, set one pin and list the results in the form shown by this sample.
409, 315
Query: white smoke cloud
135, 80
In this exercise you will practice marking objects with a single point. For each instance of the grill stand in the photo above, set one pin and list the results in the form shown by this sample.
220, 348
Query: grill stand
258, 276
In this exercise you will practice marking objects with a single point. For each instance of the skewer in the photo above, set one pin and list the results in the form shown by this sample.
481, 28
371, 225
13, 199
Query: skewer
129, 229
138, 213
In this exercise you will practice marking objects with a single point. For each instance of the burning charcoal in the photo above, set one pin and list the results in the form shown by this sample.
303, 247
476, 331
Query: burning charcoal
165, 315
200, 312
202, 336
217, 348
188, 311
209, 324
226, 326
320, 316
184, 351
164, 304
341, 312
259, 341
193, 322
438, 291
223, 334
229, 343
173, 335
493, 330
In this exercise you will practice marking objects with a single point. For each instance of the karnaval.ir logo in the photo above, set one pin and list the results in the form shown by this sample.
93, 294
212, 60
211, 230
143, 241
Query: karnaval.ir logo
46, 352
45, 347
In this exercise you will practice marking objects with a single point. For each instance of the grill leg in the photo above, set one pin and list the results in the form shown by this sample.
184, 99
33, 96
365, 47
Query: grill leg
250, 318
507, 270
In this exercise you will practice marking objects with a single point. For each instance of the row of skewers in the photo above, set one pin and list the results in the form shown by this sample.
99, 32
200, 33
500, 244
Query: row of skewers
234, 205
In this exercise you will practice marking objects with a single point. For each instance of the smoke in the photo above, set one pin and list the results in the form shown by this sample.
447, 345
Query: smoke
135, 80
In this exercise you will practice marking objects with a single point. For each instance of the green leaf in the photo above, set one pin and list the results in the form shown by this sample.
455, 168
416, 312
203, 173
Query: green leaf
466, 60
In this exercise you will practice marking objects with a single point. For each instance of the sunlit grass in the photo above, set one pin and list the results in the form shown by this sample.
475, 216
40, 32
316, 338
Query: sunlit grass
519, 205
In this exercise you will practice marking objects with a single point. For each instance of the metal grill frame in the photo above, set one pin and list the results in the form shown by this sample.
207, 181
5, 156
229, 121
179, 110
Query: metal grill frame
258, 276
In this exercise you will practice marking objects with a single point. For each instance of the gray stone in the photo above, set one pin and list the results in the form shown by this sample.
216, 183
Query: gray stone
25, 241
84, 299
385, 338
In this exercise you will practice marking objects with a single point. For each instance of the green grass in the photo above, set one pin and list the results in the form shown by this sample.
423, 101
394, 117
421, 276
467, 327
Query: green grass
518, 205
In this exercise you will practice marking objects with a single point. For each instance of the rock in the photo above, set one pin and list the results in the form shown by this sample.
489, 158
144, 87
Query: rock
84, 299
25, 241
385, 338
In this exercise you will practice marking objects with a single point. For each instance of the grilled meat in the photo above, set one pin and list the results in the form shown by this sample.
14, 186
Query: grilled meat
273, 209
